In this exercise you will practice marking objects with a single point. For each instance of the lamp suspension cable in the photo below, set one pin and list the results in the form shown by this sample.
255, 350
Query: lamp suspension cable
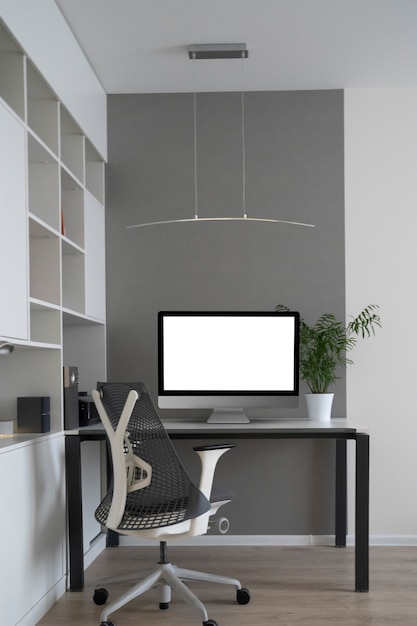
195, 140
242, 100
219, 51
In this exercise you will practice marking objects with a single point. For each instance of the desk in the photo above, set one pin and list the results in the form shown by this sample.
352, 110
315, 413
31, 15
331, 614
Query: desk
338, 430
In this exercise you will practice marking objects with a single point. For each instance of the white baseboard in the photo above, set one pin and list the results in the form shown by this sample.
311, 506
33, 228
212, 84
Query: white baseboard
239, 540
392, 540
97, 546
276, 540
42, 607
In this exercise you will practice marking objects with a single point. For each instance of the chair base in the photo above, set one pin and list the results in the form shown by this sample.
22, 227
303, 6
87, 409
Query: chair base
167, 577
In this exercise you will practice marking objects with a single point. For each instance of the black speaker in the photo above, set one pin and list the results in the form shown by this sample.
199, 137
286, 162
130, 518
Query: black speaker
34, 414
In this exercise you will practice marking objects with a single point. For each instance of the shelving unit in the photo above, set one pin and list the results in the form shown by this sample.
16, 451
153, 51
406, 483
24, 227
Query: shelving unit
94, 172
73, 277
43, 170
72, 145
72, 209
42, 109
52, 274
45, 323
12, 74
61, 242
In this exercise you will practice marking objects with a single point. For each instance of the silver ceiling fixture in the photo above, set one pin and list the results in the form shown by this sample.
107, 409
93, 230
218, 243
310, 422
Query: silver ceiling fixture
220, 51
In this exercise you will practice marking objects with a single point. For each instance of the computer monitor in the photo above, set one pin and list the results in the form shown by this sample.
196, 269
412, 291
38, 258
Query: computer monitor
228, 361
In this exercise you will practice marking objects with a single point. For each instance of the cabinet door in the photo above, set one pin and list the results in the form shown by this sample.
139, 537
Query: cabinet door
13, 228
95, 283
32, 526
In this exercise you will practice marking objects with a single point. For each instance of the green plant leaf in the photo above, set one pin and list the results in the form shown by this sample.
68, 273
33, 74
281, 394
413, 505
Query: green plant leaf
324, 346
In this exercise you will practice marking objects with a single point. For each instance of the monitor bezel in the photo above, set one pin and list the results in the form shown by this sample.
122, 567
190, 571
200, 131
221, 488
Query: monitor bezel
162, 392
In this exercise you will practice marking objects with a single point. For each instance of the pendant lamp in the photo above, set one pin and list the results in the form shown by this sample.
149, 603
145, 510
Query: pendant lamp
220, 51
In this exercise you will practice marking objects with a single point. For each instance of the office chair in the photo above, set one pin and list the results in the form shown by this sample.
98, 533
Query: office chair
152, 496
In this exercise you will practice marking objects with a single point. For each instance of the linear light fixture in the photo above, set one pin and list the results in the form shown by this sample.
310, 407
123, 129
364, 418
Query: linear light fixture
220, 51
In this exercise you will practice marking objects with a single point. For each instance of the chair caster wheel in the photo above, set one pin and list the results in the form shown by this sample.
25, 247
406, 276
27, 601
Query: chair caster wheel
100, 596
107, 623
243, 595
210, 622
163, 606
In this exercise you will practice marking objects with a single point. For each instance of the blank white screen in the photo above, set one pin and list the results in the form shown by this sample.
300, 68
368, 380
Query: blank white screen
228, 353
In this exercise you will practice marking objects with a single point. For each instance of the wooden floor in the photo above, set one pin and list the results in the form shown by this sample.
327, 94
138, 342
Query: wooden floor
290, 586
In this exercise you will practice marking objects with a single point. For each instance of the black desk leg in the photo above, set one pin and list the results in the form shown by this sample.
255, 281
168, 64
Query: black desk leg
341, 494
75, 520
362, 513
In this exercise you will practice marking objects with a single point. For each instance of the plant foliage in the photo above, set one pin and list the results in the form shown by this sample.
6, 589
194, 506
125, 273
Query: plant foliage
324, 346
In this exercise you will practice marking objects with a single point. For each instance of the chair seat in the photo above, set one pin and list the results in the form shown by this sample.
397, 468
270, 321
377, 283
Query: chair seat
142, 513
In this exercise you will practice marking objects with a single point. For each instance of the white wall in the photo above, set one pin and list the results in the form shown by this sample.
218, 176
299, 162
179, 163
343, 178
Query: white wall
381, 261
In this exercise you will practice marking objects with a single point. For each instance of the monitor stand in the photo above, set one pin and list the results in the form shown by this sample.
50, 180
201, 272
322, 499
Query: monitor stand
228, 416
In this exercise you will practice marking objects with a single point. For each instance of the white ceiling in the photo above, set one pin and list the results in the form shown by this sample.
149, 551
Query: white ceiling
140, 46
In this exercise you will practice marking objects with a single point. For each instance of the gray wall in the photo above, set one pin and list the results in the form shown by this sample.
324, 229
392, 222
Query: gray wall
294, 170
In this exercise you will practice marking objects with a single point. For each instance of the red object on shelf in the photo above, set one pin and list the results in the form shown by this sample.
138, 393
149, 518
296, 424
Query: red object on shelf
62, 224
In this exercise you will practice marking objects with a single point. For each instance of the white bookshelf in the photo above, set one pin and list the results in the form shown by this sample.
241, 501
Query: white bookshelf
53, 130
54, 267
12, 68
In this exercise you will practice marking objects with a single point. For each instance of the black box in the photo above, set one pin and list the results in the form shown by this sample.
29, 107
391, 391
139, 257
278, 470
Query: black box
71, 419
88, 411
34, 414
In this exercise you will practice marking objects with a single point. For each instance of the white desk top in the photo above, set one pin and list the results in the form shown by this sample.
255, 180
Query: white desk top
264, 426
261, 426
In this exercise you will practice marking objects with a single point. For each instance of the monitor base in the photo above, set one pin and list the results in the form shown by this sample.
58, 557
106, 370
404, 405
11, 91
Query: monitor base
228, 416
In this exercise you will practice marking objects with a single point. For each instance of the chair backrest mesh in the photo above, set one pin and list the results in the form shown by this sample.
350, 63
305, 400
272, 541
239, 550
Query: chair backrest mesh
171, 497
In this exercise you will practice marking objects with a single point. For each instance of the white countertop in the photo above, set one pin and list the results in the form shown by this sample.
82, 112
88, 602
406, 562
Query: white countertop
14, 441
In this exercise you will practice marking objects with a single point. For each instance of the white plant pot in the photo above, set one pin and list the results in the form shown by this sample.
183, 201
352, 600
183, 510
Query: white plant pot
319, 406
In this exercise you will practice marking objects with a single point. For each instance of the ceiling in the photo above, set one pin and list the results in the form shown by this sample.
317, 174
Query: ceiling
140, 46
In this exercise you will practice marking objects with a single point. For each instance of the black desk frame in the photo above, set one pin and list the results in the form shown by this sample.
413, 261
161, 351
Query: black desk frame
74, 439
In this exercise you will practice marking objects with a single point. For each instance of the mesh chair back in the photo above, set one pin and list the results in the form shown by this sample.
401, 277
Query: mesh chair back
171, 497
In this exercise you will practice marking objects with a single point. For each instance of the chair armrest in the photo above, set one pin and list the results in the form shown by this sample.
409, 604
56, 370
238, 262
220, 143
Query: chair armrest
215, 446
209, 455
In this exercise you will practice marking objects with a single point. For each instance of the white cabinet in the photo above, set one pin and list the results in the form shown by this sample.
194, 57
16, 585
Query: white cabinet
16, 549
32, 526
13, 227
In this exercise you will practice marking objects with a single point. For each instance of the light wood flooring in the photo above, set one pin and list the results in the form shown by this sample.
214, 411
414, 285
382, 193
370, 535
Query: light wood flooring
290, 586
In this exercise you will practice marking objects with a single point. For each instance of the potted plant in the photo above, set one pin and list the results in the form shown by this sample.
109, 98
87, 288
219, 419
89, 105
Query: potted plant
324, 347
